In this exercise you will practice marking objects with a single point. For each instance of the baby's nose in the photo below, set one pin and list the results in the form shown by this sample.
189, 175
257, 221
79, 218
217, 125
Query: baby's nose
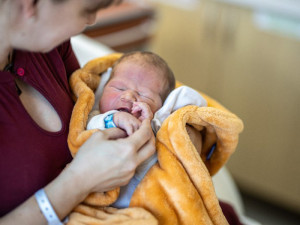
129, 95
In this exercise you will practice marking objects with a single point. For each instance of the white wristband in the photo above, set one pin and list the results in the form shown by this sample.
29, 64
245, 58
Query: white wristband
46, 208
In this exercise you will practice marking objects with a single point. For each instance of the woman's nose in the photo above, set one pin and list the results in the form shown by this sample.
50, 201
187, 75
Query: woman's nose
91, 19
129, 96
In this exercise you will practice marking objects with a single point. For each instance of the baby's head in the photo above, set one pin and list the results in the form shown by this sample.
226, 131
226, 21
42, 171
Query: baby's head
137, 77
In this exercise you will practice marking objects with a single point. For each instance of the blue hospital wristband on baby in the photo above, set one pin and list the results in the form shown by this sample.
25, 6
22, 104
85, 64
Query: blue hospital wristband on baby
109, 121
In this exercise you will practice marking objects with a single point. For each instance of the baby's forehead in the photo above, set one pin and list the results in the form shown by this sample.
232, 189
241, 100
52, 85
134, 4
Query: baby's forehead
136, 59
140, 63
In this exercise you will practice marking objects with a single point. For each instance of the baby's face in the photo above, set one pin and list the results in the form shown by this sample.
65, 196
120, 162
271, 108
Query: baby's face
132, 83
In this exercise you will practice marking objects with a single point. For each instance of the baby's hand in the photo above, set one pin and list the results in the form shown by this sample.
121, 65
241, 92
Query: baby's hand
127, 122
141, 111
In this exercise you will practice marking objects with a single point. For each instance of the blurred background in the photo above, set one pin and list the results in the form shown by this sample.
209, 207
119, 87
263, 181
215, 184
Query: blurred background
245, 54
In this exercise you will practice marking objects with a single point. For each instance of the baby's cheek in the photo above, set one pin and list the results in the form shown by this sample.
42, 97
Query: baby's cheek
108, 102
155, 108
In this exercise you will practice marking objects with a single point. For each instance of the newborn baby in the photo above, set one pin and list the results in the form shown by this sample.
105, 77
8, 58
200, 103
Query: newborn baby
140, 86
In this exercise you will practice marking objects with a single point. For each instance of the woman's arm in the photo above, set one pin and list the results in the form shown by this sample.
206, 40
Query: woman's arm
101, 164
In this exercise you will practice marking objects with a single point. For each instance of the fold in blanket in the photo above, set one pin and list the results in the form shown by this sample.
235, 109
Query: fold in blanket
88, 215
178, 189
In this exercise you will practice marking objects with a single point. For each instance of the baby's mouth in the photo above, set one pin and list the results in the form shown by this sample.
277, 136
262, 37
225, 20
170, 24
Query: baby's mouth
124, 110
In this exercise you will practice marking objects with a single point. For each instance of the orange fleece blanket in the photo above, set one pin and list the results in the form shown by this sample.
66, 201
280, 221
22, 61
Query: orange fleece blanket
178, 189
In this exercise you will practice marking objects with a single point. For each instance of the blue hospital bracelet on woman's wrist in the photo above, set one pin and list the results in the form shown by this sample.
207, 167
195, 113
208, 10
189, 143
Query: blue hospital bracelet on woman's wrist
109, 121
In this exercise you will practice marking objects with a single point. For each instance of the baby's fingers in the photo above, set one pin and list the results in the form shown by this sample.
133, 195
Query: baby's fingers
135, 109
129, 130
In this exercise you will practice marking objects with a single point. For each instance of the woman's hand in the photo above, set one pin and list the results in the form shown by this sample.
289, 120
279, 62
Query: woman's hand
107, 160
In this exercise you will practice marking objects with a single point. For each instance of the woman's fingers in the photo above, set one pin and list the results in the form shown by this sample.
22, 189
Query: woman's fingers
144, 141
142, 135
146, 151
114, 133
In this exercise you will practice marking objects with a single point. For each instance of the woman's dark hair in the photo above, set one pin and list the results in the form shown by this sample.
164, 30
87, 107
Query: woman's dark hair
104, 3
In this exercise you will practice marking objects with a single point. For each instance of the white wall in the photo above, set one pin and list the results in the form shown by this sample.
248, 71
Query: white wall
286, 7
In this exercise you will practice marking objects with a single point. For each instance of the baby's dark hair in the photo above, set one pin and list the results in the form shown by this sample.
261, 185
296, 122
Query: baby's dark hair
155, 60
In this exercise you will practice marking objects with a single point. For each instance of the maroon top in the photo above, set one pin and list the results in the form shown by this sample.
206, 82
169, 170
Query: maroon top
230, 214
31, 157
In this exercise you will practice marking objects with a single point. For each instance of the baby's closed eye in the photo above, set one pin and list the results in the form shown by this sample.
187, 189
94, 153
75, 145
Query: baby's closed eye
146, 96
119, 88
